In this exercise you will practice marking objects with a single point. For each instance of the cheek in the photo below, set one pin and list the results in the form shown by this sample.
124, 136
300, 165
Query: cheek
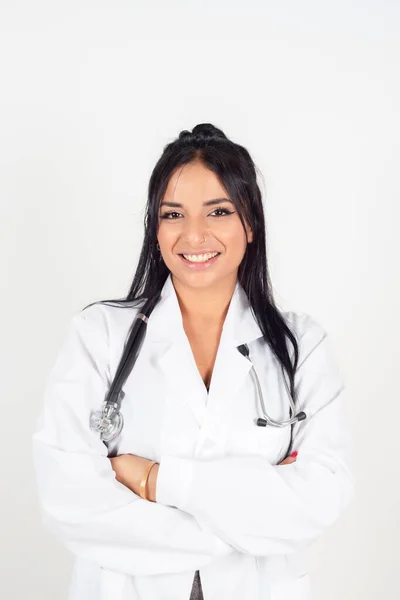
167, 235
235, 242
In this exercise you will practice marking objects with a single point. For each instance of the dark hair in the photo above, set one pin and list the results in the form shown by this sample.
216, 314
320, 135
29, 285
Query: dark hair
237, 172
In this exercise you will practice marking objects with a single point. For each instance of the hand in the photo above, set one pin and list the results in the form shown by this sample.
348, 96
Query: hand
129, 470
290, 459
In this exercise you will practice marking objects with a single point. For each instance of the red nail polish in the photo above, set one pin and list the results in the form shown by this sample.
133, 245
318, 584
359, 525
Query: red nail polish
294, 453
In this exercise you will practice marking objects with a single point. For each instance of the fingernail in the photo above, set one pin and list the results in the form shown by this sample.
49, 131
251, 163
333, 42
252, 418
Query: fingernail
294, 453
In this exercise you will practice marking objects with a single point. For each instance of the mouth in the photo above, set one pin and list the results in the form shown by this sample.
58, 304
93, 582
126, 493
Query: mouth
199, 261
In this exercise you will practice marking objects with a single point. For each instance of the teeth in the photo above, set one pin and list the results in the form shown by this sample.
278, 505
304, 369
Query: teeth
199, 257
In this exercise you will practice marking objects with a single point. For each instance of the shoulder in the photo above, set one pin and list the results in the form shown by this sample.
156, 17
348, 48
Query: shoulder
109, 321
309, 332
317, 354
304, 325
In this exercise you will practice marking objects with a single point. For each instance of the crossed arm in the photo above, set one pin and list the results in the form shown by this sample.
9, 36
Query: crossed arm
129, 469
204, 508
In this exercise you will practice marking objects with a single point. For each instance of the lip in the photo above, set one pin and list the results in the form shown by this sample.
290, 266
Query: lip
201, 252
198, 266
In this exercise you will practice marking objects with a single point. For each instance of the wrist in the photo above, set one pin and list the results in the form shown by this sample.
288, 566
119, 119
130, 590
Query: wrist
151, 485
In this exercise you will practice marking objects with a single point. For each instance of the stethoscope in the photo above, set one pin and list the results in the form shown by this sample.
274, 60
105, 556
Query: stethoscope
109, 420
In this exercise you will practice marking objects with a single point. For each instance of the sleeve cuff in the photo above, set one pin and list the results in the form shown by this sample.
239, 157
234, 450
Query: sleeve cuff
173, 481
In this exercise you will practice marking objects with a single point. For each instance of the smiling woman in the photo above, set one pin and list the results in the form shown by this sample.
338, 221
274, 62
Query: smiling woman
166, 496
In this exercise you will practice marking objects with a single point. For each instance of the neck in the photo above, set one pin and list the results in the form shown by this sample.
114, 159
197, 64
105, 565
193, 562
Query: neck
207, 305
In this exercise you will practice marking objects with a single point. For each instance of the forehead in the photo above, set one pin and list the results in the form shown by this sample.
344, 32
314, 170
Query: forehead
193, 182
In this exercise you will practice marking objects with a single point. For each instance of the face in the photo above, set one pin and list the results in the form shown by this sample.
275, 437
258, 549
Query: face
196, 206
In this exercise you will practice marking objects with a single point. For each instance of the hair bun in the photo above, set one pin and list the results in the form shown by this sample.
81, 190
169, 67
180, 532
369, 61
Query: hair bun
203, 132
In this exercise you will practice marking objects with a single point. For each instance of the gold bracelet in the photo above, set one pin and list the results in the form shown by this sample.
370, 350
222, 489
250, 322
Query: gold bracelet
144, 479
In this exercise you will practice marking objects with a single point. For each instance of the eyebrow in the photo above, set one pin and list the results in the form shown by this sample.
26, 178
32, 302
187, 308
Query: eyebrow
207, 203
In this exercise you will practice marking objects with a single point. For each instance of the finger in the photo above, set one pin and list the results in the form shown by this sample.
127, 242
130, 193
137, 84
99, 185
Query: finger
288, 460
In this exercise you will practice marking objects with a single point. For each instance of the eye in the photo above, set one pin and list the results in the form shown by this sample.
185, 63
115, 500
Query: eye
225, 211
167, 215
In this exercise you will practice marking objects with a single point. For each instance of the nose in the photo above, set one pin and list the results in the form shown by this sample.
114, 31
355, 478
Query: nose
194, 232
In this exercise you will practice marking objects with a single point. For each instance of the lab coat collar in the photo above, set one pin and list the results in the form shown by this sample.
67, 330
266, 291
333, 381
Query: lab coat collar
175, 359
165, 322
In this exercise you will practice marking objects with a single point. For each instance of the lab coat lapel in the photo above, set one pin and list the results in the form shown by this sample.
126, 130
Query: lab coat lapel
175, 358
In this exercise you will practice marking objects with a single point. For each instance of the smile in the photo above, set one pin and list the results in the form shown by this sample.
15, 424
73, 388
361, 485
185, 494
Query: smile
199, 257
199, 261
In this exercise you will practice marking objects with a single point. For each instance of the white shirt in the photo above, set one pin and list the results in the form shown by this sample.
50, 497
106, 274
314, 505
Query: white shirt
224, 504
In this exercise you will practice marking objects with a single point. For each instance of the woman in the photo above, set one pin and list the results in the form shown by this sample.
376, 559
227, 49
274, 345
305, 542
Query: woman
192, 486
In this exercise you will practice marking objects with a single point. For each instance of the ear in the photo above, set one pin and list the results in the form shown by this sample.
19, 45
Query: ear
249, 235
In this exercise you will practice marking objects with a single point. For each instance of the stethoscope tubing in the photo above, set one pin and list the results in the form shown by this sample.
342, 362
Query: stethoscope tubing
109, 420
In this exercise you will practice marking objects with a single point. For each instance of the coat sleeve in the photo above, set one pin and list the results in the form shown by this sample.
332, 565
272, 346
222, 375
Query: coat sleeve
264, 509
82, 503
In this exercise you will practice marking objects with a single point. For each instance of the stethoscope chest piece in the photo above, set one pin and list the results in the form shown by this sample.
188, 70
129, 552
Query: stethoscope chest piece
109, 421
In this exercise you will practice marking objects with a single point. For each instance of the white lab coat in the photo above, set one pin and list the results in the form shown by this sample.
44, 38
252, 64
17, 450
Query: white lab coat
224, 505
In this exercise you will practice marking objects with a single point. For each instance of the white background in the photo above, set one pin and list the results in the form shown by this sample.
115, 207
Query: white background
90, 94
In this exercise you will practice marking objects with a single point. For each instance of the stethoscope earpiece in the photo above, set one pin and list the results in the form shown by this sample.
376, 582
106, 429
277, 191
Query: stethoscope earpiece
244, 350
